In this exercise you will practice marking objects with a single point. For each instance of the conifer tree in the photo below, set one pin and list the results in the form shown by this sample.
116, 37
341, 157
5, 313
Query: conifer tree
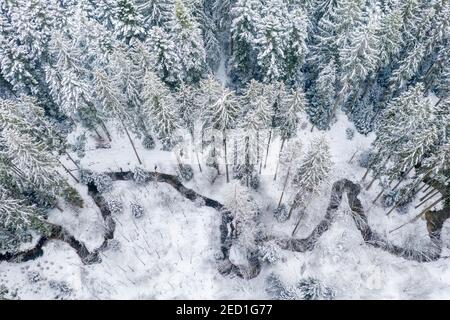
245, 16
256, 118
128, 22
407, 131
112, 102
164, 55
189, 42
272, 41
359, 57
221, 116
320, 110
155, 12
159, 107
314, 170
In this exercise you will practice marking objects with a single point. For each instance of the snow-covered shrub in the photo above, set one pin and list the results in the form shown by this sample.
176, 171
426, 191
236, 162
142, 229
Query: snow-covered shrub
11, 241
314, 289
269, 252
185, 172
102, 144
281, 213
349, 133
254, 181
166, 145
61, 288
405, 194
365, 158
103, 182
140, 175
389, 199
245, 212
86, 176
278, 291
401, 197
136, 210
148, 142
246, 174
34, 277
115, 206
79, 146
72, 196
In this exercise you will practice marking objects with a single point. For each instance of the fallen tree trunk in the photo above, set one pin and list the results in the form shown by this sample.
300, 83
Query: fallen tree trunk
435, 221
56, 232
226, 267
370, 237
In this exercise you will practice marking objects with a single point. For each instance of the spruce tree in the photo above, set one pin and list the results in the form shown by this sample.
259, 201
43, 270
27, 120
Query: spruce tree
314, 170
245, 16
128, 22
189, 42
320, 110
164, 55
220, 116
159, 107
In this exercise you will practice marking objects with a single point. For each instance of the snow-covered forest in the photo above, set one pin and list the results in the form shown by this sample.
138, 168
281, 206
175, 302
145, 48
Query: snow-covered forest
224, 149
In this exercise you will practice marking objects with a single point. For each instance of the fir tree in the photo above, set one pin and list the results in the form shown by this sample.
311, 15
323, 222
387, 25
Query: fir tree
128, 22
112, 102
159, 106
189, 42
320, 110
314, 170
155, 12
220, 116
245, 16
245, 211
272, 41
407, 130
164, 55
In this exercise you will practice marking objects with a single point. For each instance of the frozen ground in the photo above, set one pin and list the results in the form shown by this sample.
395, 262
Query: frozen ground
169, 253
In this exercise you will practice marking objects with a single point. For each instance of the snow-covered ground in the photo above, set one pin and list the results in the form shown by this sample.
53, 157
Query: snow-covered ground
169, 253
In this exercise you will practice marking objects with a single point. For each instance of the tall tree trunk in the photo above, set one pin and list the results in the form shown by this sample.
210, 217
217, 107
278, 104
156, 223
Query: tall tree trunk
284, 186
365, 174
395, 187
371, 182
268, 145
97, 133
225, 153
247, 160
278, 162
258, 156
198, 161
194, 150
68, 171
419, 215
354, 154
235, 146
426, 199
439, 101
296, 226
71, 159
106, 130
402, 178
290, 210
427, 194
131, 141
